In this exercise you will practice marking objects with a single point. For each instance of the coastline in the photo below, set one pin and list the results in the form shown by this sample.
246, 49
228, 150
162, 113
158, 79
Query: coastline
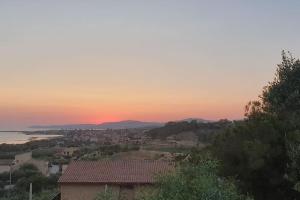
22, 137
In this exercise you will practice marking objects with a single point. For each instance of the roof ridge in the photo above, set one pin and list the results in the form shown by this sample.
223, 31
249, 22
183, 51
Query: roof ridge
112, 161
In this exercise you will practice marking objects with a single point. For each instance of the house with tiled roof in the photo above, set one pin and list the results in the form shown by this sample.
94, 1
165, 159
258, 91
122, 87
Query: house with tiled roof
83, 180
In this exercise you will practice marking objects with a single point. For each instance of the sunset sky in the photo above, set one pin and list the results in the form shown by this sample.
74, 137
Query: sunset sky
68, 61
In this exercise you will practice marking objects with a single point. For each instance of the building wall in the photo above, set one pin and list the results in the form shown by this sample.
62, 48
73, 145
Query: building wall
69, 151
83, 191
4, 168
26, 158
89, 191
22, 158
41, 165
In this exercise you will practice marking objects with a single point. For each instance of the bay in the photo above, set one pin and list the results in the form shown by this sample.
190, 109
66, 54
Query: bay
21, 138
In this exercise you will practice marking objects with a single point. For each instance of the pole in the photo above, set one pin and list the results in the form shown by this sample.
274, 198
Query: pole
30, 192
9, 175
9, 181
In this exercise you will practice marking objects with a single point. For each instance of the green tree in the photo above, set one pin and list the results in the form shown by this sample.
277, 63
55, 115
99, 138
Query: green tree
263, 150
22, 178
194, 182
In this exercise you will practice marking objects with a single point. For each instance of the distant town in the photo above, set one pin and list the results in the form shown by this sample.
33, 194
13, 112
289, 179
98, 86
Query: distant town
52, 156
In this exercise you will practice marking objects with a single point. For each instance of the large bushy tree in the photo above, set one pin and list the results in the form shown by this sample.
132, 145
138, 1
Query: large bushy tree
196, 179
263, 150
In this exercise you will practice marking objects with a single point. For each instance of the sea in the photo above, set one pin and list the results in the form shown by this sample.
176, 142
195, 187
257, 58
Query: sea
11, 137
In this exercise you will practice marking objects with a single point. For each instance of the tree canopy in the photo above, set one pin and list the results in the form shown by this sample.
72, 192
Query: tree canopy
262, 151
195, 181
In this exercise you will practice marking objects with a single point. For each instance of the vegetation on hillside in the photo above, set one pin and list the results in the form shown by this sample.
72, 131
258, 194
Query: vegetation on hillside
204, 131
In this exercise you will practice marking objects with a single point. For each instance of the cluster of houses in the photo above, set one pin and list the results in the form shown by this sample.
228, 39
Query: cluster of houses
83, 180
45, 167
26, 158
110, 137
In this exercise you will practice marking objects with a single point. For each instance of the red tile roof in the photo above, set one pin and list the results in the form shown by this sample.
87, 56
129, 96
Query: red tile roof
115, 172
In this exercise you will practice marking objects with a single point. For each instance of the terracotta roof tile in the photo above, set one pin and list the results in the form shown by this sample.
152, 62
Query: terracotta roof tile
114, 172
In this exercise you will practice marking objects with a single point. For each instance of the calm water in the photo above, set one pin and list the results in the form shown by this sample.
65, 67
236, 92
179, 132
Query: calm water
21, 138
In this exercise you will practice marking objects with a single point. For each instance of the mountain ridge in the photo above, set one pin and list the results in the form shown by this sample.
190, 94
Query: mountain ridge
125, 124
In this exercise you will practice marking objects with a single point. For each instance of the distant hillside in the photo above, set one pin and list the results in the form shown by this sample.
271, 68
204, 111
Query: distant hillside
64, 126
129, 124
204, 131
199, 120
107, 125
